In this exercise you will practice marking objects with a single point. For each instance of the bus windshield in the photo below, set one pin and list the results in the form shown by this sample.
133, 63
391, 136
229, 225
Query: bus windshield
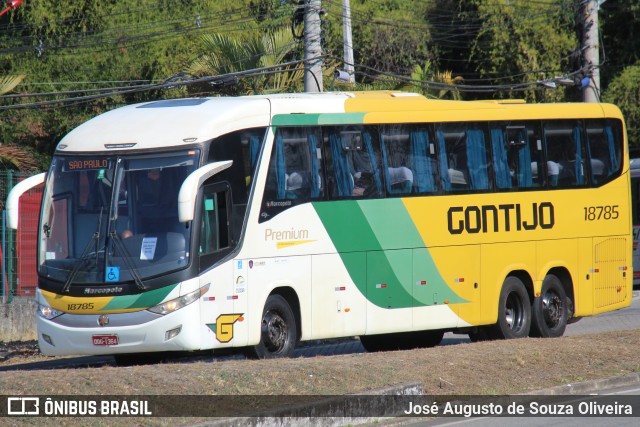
114, 219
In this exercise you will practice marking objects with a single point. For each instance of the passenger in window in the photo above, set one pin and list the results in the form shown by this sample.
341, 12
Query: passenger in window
401, 178
363, 180
553, 171
297, 186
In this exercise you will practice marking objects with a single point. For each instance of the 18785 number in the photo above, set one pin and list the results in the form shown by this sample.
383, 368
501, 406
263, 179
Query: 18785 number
595, 213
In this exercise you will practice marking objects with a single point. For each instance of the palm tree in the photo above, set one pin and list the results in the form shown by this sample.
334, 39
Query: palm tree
12, 156
426, 74
226, 54
8, 83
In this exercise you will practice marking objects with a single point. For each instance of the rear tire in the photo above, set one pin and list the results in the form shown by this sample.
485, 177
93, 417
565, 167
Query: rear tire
481, 333
278, 331
514, 311
550, 310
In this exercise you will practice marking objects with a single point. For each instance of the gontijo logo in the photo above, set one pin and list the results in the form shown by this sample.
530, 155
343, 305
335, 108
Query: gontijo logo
507, 217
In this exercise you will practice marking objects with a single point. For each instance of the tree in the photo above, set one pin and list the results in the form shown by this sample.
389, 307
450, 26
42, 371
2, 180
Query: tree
427, 74
624, 91
12, 156
620, 30
81, 45
8, 83
389, 36
523, 42
225, 53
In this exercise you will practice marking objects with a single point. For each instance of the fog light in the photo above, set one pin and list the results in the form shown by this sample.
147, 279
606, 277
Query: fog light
172, 333
48, 339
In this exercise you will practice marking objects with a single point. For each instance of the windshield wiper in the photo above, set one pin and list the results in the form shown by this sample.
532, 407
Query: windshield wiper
83, 258
127, 259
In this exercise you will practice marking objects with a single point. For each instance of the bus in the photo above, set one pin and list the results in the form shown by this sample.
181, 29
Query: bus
634, 164
258, 222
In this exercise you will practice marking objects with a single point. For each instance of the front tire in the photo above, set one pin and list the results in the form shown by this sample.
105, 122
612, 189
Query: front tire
550, 309
514, 311
278, 332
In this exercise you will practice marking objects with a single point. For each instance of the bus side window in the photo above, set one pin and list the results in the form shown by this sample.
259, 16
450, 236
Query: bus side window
604, 151
565, 148
522, 155
408, 155
214, 227
295, 171
352, 162
466, 164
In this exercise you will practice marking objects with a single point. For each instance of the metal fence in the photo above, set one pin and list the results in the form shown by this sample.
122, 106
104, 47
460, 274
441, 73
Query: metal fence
19, 247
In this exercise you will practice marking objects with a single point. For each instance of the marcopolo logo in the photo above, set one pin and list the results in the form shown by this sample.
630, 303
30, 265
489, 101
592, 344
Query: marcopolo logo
492, 218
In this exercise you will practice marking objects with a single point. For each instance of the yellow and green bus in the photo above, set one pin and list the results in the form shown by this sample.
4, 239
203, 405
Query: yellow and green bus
258, 222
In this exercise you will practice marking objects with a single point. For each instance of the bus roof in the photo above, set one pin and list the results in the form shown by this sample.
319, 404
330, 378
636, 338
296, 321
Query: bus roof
176, 122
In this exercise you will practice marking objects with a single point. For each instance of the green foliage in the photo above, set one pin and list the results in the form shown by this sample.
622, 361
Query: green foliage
388, 35
624, 91
527, 40
57, 45
427, 73
89, 44
224, 53
620, 26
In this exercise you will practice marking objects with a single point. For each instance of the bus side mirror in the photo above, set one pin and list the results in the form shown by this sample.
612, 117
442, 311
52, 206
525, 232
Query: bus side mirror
189, 189
13, 199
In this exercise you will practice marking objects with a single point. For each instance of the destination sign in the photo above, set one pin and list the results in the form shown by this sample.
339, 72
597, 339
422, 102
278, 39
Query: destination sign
86, 164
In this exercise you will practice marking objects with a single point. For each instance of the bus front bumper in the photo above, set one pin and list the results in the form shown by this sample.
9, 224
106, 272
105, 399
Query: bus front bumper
139, 332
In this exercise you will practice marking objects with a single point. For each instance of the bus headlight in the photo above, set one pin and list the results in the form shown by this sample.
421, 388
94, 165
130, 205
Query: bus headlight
47, 312
180, 302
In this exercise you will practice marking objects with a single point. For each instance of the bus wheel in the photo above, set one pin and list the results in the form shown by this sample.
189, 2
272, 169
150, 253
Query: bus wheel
514, 311
550, 309
481, 333
430, 338
278, 330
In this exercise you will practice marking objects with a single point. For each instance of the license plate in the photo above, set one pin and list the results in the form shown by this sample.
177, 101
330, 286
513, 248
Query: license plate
105, 340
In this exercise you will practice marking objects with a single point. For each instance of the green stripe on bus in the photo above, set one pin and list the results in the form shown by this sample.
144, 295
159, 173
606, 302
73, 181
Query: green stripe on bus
396, 259
317, 119
144, 300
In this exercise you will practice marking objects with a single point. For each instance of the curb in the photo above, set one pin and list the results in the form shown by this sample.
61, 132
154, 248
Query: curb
287, 416
590, 386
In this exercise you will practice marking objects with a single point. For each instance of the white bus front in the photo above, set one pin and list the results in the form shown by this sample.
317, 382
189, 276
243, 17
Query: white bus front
113, 253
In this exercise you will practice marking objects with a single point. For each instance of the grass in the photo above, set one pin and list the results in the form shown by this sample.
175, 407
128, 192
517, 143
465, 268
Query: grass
492, 367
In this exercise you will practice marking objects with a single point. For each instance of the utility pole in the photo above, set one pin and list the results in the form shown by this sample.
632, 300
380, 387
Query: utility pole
591, 46
347, 40
312, 47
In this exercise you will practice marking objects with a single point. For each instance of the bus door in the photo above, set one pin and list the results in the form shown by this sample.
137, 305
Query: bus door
389, 274
218, 312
